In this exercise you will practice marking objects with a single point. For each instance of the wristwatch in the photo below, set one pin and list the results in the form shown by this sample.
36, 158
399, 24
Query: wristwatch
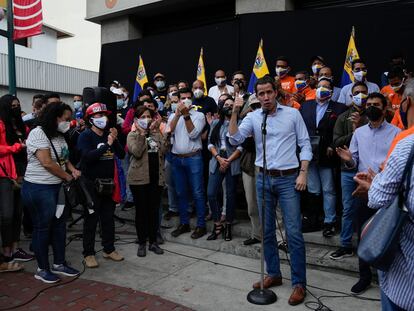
188, 117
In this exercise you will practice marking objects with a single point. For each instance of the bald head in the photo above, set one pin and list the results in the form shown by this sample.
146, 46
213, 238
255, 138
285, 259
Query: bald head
198, 84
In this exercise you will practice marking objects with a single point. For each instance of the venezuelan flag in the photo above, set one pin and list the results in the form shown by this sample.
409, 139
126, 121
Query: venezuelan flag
140, 80
201, 71
260, 68
351, 54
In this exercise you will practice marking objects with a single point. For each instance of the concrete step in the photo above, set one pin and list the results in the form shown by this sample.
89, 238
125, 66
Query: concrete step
318, 248
242, 229
317, 256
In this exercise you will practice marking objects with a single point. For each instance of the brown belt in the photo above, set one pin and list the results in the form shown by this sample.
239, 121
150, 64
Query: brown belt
186, 155
280, 173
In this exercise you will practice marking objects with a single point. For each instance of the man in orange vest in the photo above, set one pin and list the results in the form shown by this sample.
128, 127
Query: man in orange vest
303, 91
395, 88
282, 74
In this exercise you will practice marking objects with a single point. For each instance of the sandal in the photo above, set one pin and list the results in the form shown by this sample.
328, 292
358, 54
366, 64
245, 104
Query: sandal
10, 266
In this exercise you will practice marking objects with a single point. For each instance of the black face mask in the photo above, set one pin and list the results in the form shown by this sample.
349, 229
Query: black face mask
226, 111
373, 113
17, 112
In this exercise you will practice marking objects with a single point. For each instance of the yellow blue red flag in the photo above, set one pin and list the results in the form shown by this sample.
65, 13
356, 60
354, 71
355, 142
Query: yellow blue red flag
351, 55
201, 71
260, 68
140, 79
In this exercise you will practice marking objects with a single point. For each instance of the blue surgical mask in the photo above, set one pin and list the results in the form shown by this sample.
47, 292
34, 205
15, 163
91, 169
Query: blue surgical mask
120, 103
77, 105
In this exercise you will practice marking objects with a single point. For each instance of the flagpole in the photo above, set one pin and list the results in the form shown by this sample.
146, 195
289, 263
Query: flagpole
11, 50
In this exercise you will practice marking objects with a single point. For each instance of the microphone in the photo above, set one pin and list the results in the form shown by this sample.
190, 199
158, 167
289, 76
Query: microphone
265, 114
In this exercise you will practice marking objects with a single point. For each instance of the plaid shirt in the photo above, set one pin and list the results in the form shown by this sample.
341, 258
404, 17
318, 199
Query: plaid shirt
397, 283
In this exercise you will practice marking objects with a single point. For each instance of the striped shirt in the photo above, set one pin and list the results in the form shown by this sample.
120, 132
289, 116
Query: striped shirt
35, 172
398, 282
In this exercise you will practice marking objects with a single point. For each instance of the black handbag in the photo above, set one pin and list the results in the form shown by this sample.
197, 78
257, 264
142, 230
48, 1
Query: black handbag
381, 233
70, 188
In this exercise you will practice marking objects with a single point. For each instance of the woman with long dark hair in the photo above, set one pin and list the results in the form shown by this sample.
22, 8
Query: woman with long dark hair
12, 166
224, 164
48, 166
146, 177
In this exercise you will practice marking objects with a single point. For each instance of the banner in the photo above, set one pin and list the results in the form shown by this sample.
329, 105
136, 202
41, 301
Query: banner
351, 55
28, 18
201, 71
140, 79
260, 68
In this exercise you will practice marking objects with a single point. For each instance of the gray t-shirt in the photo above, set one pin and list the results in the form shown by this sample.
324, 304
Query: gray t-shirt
35, 172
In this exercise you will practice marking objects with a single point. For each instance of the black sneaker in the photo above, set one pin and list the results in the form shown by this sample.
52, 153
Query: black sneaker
360, 287
170, 214
180, 230
160, 239
199, 232
142, 250
251, 241
156, 249
341, 252
329, 230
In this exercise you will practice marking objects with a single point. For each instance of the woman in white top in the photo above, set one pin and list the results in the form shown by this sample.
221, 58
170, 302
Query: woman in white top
42, 183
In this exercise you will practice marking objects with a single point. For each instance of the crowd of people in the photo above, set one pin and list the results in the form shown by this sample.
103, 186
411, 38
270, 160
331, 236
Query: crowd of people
324, 145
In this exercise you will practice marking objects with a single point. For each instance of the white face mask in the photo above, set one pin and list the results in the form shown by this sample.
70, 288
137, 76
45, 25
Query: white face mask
100, 123
170, 94
143, 123
198, 93
220, 81
63, 126
398, 87
174, 107
360, 75
187, 102
160, 84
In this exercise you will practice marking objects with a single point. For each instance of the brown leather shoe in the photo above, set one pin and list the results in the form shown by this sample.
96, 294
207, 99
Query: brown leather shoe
298, 296
269, 282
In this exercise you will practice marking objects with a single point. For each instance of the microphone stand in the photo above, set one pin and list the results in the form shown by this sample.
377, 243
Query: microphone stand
262, 296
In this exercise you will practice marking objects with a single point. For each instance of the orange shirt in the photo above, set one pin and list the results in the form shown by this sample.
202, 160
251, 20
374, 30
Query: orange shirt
310, 94
393, 97
396, 120
399, 137
288, 84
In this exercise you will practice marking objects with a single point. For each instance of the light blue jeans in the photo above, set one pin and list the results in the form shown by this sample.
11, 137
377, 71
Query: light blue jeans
348, 186
320, 180
282, 189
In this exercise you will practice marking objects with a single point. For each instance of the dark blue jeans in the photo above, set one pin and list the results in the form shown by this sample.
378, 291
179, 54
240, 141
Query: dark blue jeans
282, 189
214, 183
41, 201
188, 174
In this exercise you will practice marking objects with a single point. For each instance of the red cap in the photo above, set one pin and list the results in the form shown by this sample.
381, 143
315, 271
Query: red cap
96, 108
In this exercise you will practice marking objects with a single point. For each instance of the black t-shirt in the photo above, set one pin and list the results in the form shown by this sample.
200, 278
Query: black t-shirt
97, 157
205, 105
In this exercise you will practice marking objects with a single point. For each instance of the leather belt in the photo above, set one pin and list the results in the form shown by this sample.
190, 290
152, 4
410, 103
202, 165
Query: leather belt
186, 155
279, 173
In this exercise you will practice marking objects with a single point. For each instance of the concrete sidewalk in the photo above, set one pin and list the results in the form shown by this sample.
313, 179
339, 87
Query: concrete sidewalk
201, 285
